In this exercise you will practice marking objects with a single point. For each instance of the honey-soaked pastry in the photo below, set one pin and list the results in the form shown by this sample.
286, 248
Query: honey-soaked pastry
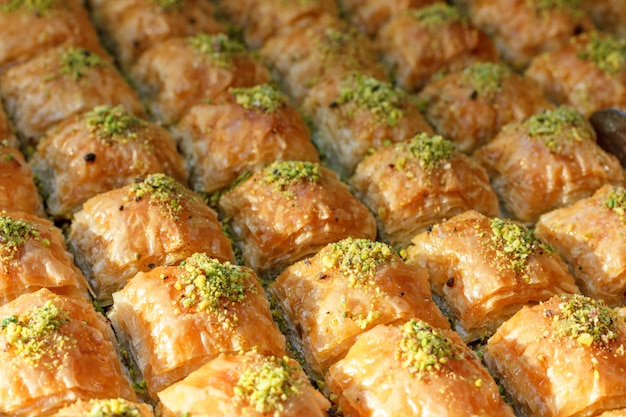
242, 131
522, 29
174, 319
470, 107
291, 209
587, 73
55, 350
178, 73
98, 151
588, 235
7, 133
562, 358
414, 370
33, 255
549, 160
59, 83
420, 43
18, 191
29, 28
130, 27
328, 48
348, 287
482, 270
419, 182
154, 221
614, 413
608, 15
108, 407
249, 385
357, 114
261, 20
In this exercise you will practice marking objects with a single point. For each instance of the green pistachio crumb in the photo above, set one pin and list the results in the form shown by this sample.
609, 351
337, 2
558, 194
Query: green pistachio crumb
162, 190
220, 48
558, 125
438, 14
264, 97
428, 151
282, 174
117, 407
607, 52
424, 349
113, 124
28, 5
75, 62
13, 234
542, 7
384, 101
486, 78
168, 4
615, 201
265, 387
585, 320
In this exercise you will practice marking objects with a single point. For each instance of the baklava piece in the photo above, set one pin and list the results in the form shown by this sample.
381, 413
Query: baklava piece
420, 44
589, 236
414, 370
153, 222
357, 114
482, 270
59, 83
7, 133
98, 151
130, 27
175, 319
522, 29
241, 132
549, 160
33, 255
292, 209
109, 407
608, 15
249, 385
348, 287
178, 73
588, 73
29, 28
471, 106
414, 184
562, 358
18, 191
328, 48
55, 350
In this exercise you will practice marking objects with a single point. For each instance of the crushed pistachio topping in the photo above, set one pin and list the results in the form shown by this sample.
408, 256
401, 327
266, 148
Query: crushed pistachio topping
284, 173
542, 7
437, 14
117, 407
615, 200
208, 285
554, 126
28, 5
335, 41
607, 52
382, 99
486, 77
263, 97
162, 190
428, 151
35, 334
265, 387
168, 4
585, 320
113, 124
75, 62
220, 48
424, 349
13, 234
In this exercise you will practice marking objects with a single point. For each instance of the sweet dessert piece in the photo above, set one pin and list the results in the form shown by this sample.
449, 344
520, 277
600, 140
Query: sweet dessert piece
130, 27
549, 160
289, 210
59, 83
97, 151
482, 270
348, 287
33, 255
357, 114
414, 184
420, 43
18, 191
414, 369
55, 350
327, 48
588, 235
470, 107
608, 15
154, 221
175, 319
522, 29
564, 357
250, 385
7, 134
587, 73
109, 407
29, 28
178, 73
241, 131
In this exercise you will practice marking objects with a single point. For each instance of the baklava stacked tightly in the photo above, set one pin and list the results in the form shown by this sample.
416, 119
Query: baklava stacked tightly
200, 175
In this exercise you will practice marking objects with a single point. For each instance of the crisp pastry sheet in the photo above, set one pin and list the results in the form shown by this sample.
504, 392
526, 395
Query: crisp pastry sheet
106, 407
18, 191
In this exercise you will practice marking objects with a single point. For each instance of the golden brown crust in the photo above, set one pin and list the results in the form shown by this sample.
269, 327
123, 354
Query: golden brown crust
82, 408
7, 133
18, 191
371, 15
608, 15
